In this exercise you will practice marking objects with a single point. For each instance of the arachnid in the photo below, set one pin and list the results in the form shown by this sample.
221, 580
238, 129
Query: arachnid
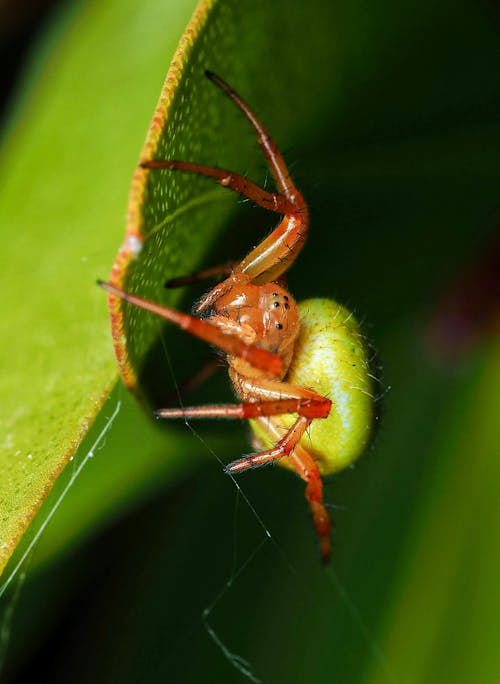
301, 371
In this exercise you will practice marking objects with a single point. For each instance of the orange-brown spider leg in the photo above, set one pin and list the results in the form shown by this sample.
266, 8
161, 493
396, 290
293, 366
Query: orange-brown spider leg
203, 274
309, 472
275, 254
269, 200
283, 448
231, 344
269, 260
267, 145
315, 407
263, 389
282, 398
307, 469
191, 383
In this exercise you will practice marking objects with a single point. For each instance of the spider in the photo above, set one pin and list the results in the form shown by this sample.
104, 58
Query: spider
300, 371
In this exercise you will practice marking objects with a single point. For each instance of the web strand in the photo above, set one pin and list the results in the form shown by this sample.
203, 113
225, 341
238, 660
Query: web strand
237, 661
76, 472
355, 615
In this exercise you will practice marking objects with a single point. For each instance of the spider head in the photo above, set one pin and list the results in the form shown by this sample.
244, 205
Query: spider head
267, 311
279, 319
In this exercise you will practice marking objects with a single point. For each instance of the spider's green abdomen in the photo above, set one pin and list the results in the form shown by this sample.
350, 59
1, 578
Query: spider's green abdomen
331, 358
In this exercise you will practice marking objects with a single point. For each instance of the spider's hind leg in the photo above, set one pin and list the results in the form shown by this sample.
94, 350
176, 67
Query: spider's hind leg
219, 271
309, 472
305, 466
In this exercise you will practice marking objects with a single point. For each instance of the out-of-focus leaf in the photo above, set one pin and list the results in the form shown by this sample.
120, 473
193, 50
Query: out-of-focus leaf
446, 587
65, 171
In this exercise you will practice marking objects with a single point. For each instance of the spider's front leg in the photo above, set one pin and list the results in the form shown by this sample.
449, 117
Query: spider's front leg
274, 255
268, 362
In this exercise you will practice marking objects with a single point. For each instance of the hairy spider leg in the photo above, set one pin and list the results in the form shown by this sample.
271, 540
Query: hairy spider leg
227, 342
282, 448
213, 364
280, 398
288, 445
269, 148
316, 407
308, 470
202, 274
274, 255
204, 373
268, 200
265, 263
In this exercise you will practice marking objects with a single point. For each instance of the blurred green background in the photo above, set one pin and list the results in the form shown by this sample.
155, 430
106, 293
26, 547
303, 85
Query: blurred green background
401, 172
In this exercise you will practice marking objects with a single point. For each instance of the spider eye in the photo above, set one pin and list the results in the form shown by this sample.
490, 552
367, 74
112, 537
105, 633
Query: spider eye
279, 326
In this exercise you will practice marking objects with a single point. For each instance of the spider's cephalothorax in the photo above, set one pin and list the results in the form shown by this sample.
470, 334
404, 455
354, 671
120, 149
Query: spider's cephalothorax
264, 315
301, 371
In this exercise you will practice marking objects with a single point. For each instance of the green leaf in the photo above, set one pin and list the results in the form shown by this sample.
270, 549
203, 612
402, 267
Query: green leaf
65, 171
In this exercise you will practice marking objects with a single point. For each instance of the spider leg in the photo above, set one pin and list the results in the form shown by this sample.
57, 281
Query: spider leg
267, 262
194, 381
267, 145
267, 390
229, 343
283, 448
203, 274
288, 445
269, 200
308, 407
274, 255
308, 470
